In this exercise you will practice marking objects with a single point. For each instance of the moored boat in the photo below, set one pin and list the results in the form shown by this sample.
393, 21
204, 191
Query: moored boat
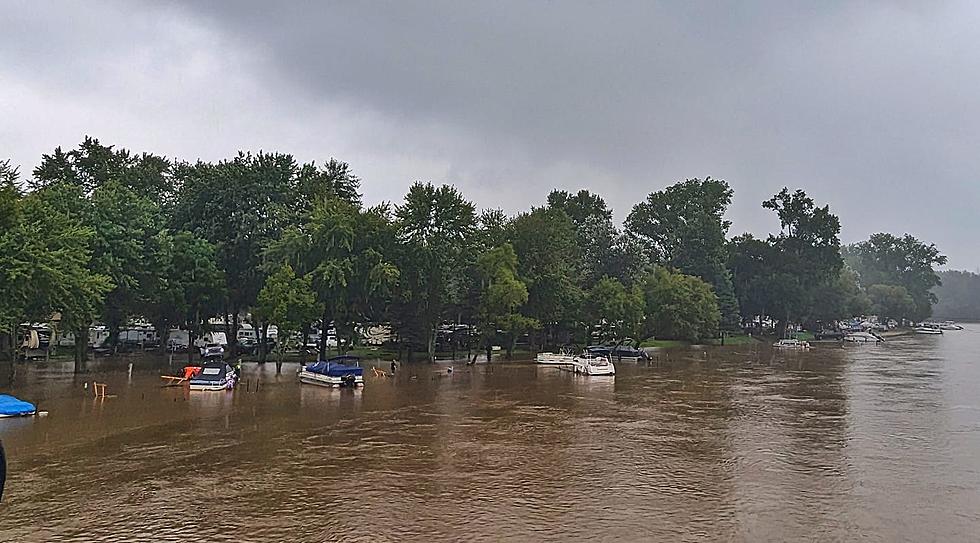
791, 343
928, 330
339, 371
863, 337
590, 365
553, 358
15, 407
214, 375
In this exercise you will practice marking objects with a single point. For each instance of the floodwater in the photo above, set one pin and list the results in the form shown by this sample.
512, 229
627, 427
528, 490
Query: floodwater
860, 442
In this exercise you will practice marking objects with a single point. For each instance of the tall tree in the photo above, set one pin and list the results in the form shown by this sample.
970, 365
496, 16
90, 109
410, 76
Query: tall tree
238, 205
614, 311
188, 288
501, 298
600, 246
779, 277
545, 244
435, 228
904, 261
680, 306
683, 227
288, 301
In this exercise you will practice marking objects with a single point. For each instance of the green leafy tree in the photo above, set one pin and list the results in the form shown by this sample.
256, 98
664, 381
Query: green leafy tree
289, 302
239, 206
958, 296
680, 306
502, 296
545, 244
885, 259
436, 228
891, 302
779, 277
601, 249
683, 227
615, 311
46, 265
188, 288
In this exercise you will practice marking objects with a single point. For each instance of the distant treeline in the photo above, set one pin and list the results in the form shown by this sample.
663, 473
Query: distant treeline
97, 233
959, 296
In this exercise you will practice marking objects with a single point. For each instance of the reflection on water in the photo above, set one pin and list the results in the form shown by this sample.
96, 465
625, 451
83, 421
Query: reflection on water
870, 442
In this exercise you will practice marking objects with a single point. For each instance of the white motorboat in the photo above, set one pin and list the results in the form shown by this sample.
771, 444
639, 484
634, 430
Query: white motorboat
949, 325
863, 337
554, 359
791, 344
590, 365
928, 330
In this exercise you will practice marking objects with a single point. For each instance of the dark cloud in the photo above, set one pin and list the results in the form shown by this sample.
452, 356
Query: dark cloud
867, 106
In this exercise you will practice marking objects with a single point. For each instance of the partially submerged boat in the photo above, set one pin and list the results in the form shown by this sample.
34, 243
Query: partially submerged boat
214, 375
617, 351
15, 407
553, 358
863, 337
338, 371
791, 343
590, 365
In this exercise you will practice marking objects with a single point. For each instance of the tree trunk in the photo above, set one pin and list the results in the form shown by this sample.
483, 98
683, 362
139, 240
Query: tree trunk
233, 340
191, 337
432, 343
489, 350
81, 348
324, 326
264, 342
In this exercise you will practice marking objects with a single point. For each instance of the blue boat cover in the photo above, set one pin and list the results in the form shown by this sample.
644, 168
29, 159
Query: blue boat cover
335, 367
11, 406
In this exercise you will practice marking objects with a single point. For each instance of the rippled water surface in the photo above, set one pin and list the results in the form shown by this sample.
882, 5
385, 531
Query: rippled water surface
861, 442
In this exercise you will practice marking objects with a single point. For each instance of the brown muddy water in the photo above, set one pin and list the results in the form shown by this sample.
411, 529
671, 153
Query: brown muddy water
861, 442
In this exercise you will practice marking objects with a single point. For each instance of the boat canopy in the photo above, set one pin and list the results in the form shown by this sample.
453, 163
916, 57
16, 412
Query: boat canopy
13, 407
338, 366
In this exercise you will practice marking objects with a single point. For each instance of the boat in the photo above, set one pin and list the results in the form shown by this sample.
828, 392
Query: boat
863, 337
214, 375
949, 325
791, 344
15, 407
928, 330
553, 358
590, 365
212, 350
338, 371
619, 352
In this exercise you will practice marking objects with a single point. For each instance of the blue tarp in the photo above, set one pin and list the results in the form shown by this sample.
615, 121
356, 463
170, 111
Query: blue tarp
337, 366
12, 407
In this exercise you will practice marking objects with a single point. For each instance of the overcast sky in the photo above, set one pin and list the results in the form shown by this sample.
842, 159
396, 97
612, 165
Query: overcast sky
871, 107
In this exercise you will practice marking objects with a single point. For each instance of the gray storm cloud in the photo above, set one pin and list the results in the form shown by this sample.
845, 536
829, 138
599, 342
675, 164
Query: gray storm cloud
869, 107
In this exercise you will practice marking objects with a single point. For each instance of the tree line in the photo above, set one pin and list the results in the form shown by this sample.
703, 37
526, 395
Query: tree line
98, 233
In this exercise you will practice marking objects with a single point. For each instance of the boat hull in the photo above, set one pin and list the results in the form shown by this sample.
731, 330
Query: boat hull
312, 378
213, 387
551, 359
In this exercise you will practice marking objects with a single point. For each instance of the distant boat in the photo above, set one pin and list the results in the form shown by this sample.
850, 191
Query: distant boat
928, 330
791, 344
863, 337
14, 407
339, 371
949, 325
